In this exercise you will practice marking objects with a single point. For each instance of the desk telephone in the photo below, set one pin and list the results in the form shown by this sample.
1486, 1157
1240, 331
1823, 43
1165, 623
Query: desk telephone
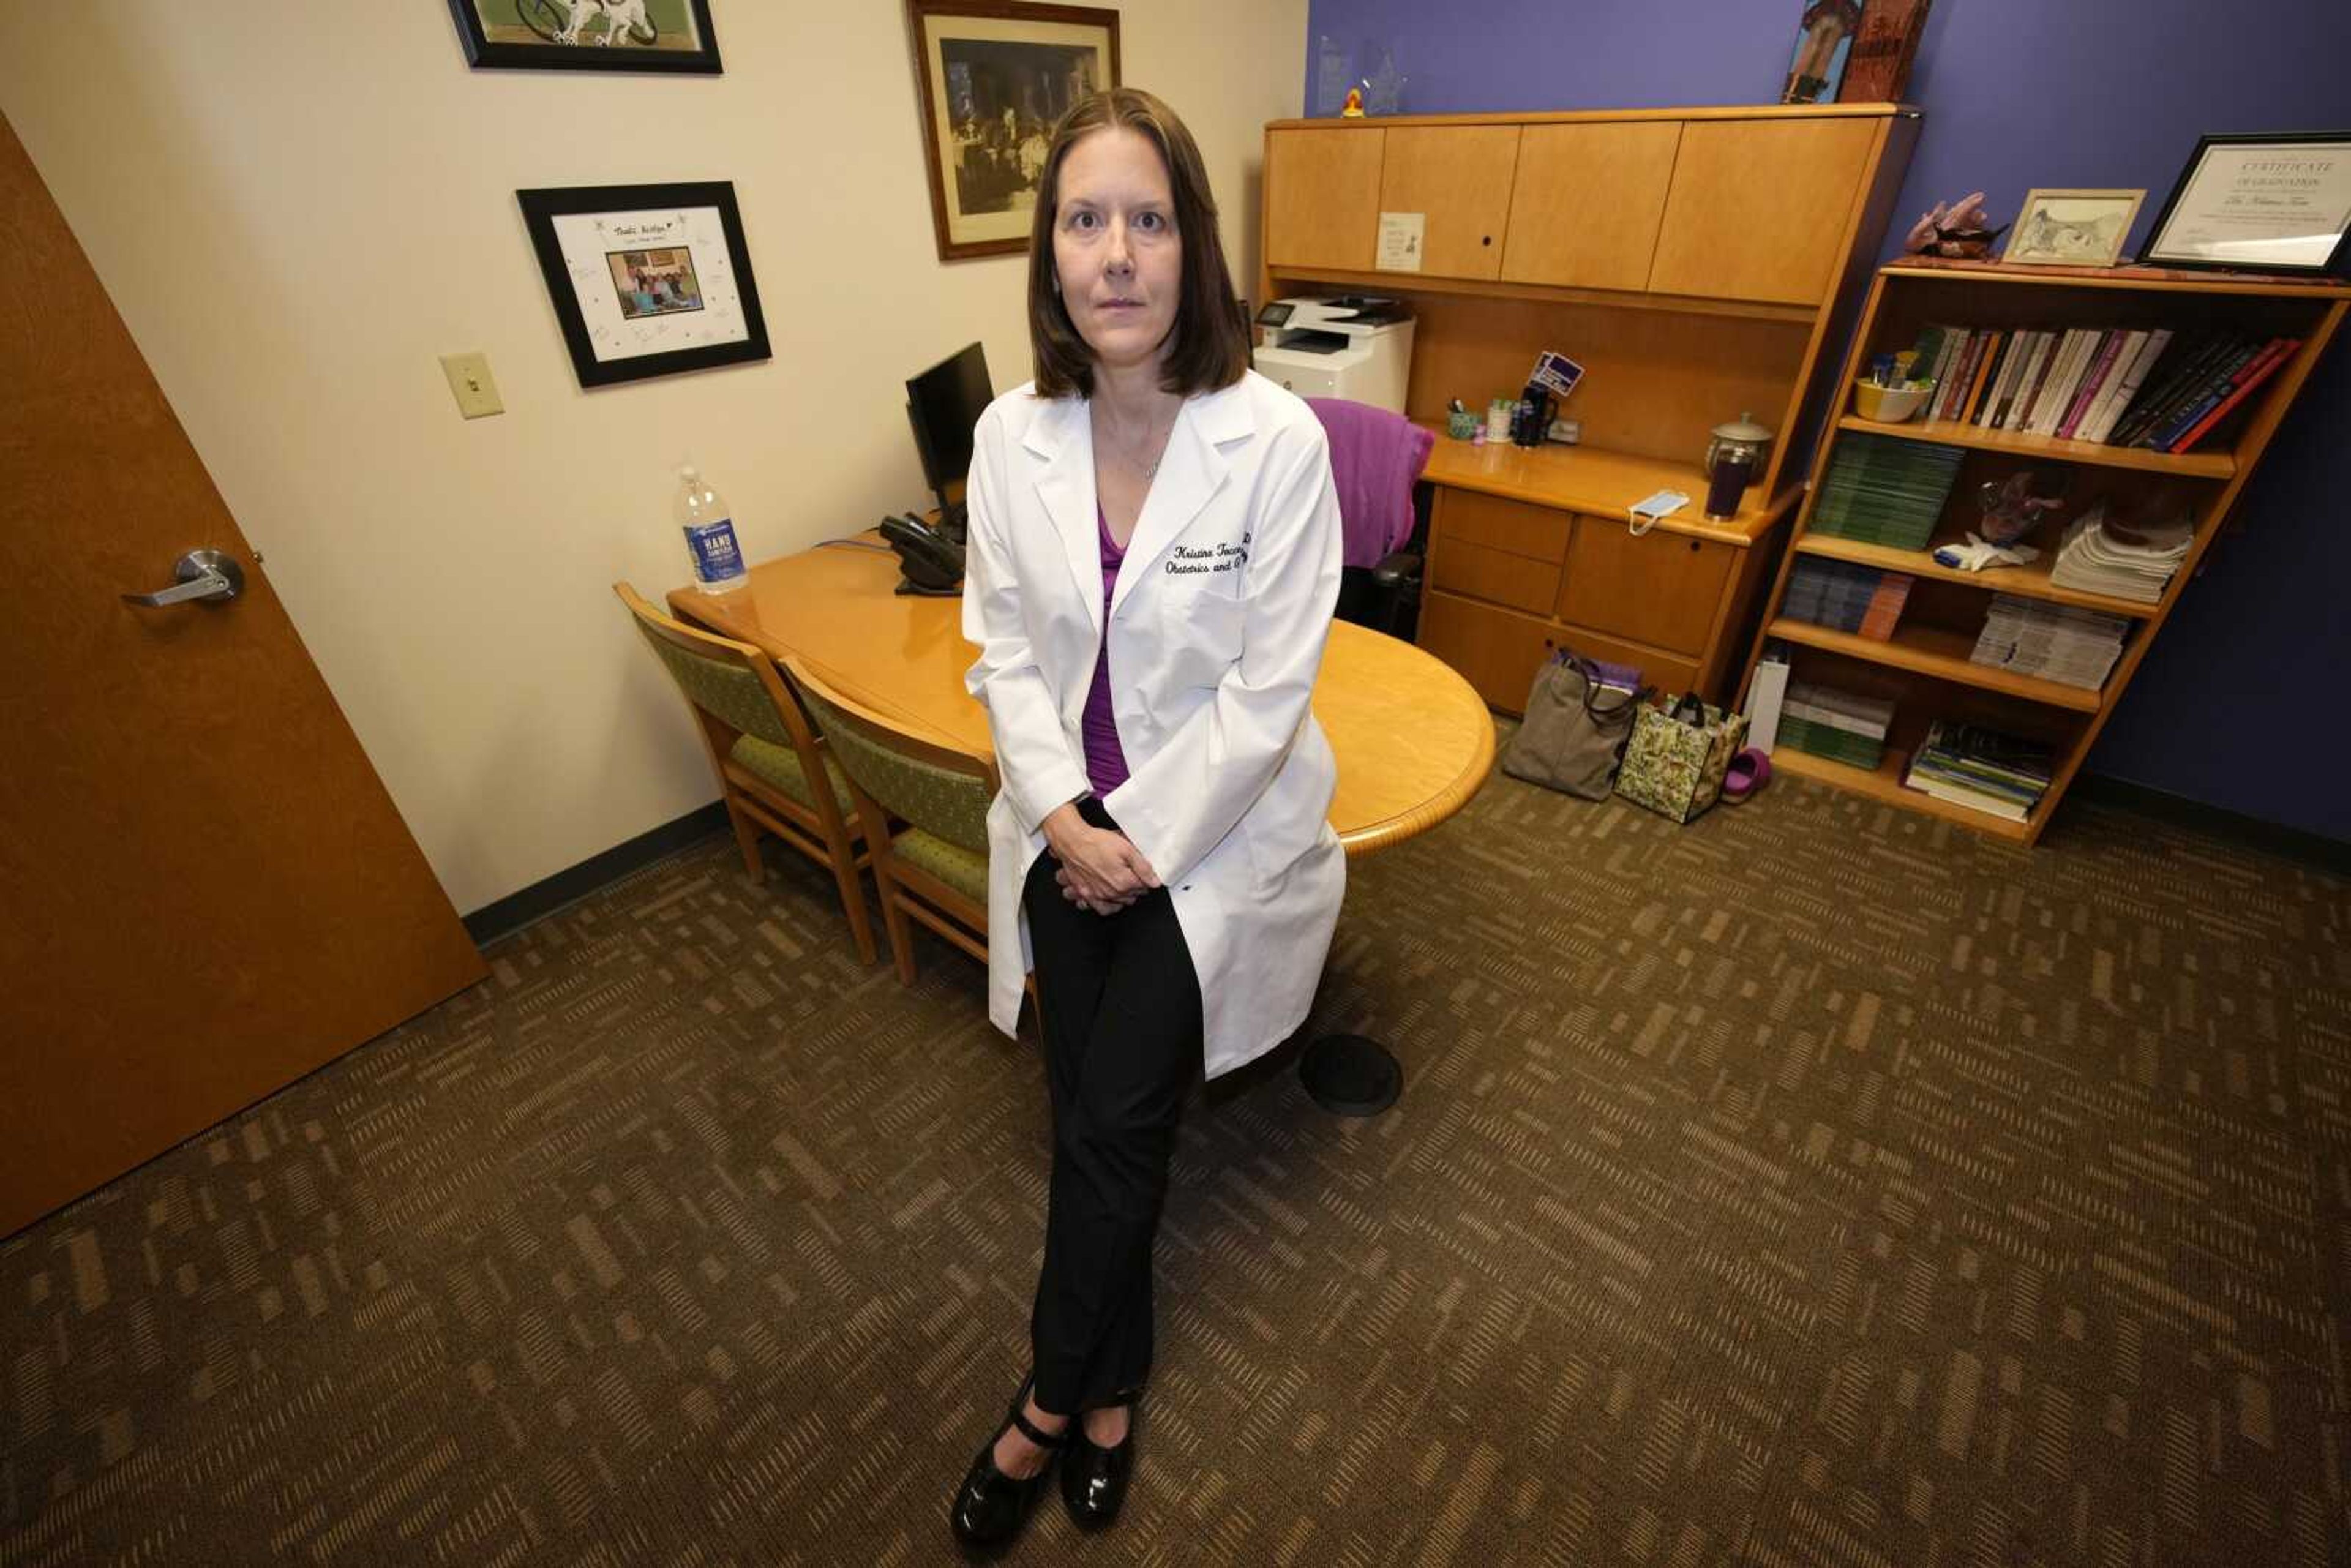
930, 559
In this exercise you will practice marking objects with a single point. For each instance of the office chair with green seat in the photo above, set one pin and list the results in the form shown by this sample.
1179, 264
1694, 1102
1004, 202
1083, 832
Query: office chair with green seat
764, 753
934, 868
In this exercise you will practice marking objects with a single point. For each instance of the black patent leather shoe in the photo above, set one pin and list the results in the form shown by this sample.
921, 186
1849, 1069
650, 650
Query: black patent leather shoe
990, 1507
1093, 1479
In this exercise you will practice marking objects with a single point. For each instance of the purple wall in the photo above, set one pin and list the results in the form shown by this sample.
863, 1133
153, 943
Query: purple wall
2018, 94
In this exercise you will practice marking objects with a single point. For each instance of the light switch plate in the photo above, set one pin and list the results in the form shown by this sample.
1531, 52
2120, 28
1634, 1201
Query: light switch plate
471, 384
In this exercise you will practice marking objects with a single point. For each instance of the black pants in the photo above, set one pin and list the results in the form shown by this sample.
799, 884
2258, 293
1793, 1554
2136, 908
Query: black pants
1121, 1025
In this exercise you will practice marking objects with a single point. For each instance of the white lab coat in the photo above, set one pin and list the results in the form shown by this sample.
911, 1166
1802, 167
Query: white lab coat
1217, 628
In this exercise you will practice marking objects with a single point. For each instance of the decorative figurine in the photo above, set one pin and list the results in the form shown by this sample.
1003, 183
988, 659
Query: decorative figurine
2013, 508
1354, 108
1953, 229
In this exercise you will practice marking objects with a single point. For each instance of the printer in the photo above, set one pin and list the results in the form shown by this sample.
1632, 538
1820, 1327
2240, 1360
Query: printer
1351, 346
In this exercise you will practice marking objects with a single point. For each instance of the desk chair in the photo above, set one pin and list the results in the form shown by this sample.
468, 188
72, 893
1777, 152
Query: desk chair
934, 868
1376, 458
764, 753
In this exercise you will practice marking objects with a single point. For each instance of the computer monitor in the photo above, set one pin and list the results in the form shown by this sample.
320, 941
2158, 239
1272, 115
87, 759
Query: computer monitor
943, 404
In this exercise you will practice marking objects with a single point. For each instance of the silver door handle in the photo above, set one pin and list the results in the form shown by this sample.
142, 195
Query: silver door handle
206, 576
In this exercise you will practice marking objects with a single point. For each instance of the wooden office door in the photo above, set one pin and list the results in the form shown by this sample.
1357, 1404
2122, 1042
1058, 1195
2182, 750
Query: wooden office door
1587, 203
208, 893
1761, 209
1458, 177
1323, 197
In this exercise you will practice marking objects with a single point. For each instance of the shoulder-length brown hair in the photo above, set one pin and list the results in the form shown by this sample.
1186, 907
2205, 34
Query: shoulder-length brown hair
1208, 346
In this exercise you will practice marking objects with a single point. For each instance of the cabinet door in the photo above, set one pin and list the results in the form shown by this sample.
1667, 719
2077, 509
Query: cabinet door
1496, 650
1323, 197
1587, 203
1660, 589
1758, 208
1458, 178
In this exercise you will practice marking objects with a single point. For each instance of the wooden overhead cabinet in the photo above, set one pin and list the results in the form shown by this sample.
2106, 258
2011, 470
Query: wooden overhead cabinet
1323, 197
1587, 203
1457, 177
1762, 209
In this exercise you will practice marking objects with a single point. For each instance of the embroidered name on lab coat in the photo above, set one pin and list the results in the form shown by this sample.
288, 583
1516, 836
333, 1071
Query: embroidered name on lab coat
1186, 560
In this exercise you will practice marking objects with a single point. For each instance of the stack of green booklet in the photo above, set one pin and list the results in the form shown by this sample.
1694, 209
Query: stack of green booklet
1843, 727
1883, 491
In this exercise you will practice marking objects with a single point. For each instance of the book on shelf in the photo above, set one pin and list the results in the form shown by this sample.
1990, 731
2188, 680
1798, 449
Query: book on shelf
2003, 386
2067, 644
2094, 379
1881, 489
1994, 343
2140, 351
2122, 559
2150, 387
1986, 770
2194, 426
1857, 599
1844, 727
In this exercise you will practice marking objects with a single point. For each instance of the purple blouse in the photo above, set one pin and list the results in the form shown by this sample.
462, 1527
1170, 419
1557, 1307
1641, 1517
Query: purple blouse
1105, 760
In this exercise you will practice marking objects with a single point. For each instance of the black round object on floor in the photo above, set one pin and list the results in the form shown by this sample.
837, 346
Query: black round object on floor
1349, 1075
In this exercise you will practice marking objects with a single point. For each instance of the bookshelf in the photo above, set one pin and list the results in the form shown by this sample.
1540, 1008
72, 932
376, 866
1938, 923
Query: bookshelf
1925, 668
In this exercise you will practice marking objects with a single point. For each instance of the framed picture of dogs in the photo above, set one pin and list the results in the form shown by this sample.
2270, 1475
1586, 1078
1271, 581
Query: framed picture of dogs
587, 34
996, 76
647, 279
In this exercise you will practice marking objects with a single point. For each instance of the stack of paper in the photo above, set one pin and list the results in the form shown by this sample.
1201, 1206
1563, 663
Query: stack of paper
1843, 727
2103, 556
1970, 766
1846, 597
2053, 641
1885, 491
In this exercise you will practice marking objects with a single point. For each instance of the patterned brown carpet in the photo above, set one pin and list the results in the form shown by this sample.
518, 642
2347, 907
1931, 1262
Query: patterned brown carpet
1812, 1185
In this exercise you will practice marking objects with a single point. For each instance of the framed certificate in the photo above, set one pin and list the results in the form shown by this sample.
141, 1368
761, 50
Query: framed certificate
2259, 203
647, 279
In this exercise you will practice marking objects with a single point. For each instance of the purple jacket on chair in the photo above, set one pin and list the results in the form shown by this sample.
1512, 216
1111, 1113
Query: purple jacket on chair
1376, 456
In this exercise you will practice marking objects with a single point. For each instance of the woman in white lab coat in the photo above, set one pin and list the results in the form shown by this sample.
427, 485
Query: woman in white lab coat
1153, 563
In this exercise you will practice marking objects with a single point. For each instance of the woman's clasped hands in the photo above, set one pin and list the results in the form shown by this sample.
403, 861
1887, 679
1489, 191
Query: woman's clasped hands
1101, 870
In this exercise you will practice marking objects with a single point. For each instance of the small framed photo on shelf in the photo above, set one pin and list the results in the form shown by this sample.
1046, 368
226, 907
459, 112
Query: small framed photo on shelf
587, 35
2073, 228
996, 76
647, 279
2259, 203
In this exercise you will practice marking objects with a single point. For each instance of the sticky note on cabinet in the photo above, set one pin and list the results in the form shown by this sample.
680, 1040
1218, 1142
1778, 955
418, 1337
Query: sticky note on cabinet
1400, 241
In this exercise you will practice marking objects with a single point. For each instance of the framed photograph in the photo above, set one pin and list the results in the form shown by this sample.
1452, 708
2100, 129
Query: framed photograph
2259, 203
1824, 31
647, 279
2072, 228
996, 77
587, 35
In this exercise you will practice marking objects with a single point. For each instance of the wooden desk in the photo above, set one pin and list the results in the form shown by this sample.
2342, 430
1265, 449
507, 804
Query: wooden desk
1413, 740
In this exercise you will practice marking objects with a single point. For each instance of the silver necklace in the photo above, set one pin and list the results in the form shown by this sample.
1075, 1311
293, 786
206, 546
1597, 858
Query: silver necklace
1133, 454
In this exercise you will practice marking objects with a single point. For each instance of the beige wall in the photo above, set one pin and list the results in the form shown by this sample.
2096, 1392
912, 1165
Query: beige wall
299, 204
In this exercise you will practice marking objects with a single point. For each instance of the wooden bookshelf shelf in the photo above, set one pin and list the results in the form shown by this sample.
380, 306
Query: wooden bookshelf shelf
1925, 669
1938, 651
2030, 580
2219, 465
1884, 783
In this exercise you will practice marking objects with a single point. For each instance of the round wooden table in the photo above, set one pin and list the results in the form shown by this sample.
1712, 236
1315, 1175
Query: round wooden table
1413, 740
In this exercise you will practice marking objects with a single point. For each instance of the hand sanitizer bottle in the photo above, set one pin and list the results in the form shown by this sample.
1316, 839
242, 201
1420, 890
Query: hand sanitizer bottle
709, 534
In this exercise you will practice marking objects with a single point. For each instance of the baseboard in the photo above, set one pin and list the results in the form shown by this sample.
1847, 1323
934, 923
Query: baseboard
543, 898
2274, 838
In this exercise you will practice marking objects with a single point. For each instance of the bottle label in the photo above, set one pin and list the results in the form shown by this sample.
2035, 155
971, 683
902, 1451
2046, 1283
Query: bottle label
716, 557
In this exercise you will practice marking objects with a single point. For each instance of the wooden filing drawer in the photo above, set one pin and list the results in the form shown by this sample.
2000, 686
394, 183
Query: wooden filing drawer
1539, 533
1670, 674
1479, 572
1660, 589
1496, 651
